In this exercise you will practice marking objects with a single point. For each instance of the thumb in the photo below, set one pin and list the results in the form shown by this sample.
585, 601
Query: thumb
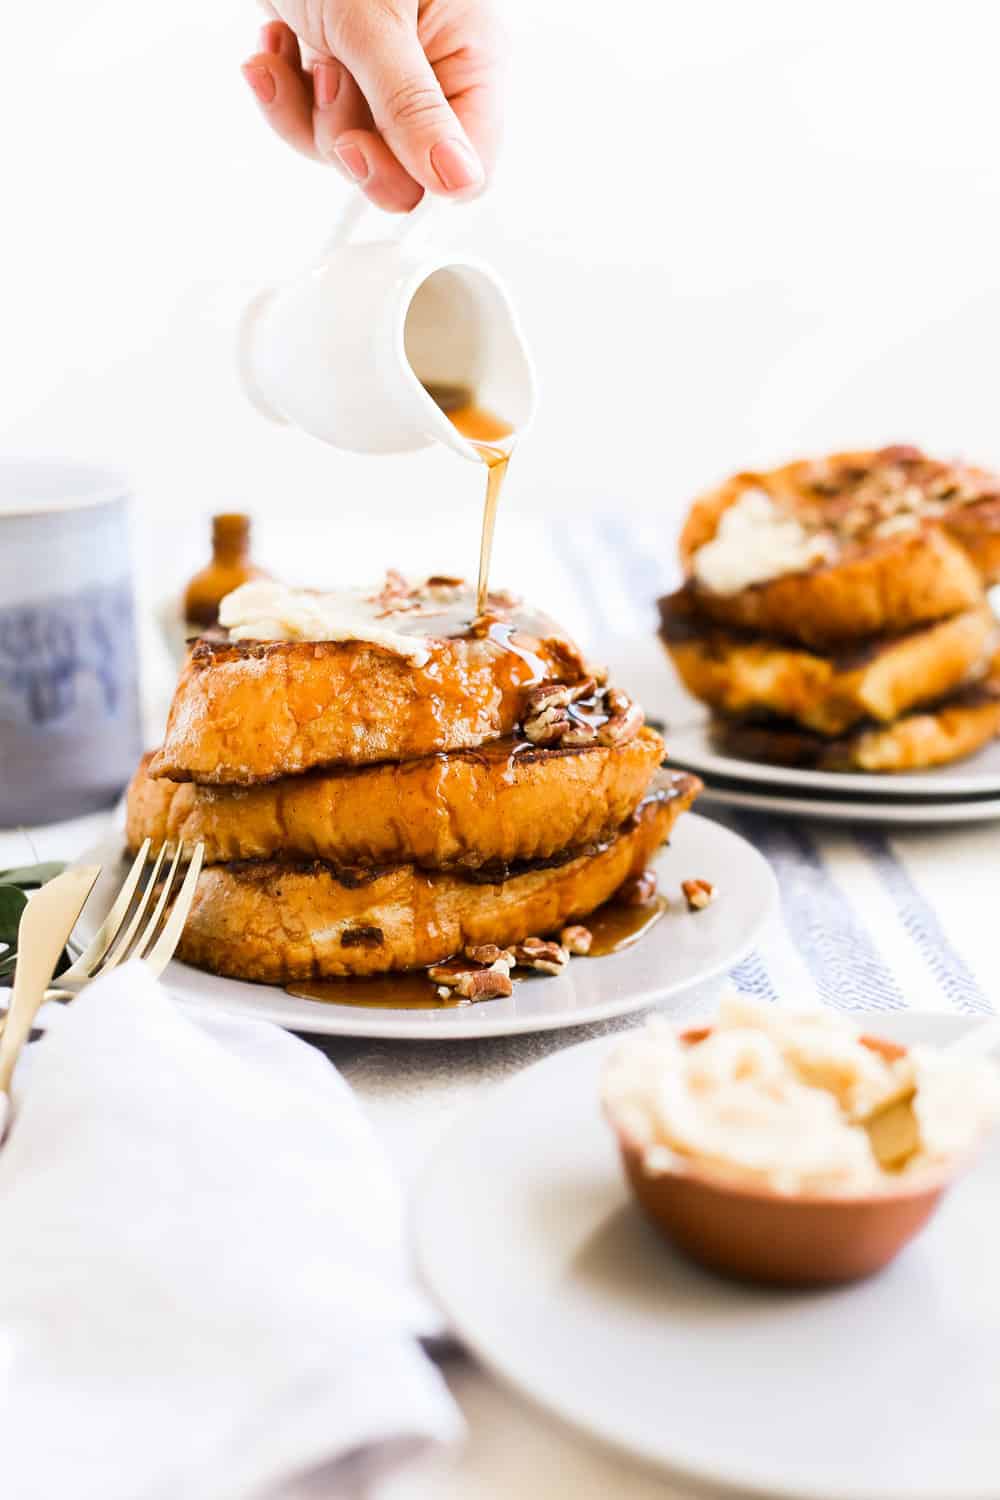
407, 103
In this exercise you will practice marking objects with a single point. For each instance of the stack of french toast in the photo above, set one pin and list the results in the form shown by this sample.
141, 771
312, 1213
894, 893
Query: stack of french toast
834, 614
387, 781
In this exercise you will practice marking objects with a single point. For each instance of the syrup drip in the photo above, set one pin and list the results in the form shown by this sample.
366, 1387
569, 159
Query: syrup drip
614, 927
486, 432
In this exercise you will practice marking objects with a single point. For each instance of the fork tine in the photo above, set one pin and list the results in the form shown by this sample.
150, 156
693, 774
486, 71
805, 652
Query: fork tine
121, 948
147, 934
110, 927
163, 950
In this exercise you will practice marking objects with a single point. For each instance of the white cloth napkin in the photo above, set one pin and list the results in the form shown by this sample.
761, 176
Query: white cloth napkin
203, 1285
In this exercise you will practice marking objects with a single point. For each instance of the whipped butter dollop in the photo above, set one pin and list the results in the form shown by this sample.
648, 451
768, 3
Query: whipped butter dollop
264, 610
777, 1098
755, 542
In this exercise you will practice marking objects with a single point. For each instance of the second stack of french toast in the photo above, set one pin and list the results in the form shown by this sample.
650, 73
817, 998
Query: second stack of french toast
835, 613
384, 780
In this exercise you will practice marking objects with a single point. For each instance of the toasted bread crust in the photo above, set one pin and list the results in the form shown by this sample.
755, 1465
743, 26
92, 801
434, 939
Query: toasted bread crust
253, 712
276, 923
877, 584
493, 806
890, 587
977, 529
740, 675
928, 737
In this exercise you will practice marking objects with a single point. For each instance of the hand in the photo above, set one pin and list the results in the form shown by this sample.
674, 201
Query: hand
401, 95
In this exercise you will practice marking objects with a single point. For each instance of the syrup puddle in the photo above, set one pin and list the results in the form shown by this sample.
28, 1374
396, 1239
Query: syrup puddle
614, 928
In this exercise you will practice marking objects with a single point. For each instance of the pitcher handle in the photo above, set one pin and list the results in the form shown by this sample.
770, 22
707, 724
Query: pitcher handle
407, 228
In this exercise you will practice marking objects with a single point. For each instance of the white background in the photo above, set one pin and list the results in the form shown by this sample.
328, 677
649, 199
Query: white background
735, 230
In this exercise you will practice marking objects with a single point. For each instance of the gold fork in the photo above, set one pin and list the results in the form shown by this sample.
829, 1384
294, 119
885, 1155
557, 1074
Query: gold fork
50, 917
124, 934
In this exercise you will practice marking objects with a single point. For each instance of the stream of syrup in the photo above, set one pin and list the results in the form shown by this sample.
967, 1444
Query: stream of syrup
614, 927
492, 437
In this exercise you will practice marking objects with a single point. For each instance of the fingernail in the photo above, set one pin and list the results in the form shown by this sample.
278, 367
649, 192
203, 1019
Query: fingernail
353, 160
270, 37
456, 166
326, 83
260, 81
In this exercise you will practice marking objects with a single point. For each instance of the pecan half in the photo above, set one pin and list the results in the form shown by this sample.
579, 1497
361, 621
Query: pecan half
549, 726
489, 983
698, 893
576, 939
623, 725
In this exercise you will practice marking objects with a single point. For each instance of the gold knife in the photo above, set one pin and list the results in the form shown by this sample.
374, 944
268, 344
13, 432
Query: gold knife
46, 923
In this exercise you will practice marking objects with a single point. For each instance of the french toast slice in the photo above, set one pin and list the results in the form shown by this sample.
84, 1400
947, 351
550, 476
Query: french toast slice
275, 923
247, 712
930, 736
505, 802
901, 539
737, 673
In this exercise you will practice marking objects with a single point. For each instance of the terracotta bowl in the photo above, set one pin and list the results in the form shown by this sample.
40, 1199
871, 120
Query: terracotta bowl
756, 1234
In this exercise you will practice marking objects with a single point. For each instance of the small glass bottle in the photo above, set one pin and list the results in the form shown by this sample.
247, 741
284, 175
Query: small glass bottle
231, 565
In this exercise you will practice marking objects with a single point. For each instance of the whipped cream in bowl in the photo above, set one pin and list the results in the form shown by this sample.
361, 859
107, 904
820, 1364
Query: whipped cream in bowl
789, 1147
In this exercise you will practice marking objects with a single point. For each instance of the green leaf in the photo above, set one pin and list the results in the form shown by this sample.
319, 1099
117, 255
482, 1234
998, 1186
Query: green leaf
7, 965
12, 904
30, 876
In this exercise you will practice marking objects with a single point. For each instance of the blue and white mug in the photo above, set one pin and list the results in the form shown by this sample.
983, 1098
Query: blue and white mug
70, 720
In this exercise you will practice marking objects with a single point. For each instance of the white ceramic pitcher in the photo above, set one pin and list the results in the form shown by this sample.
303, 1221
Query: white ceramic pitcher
344, 350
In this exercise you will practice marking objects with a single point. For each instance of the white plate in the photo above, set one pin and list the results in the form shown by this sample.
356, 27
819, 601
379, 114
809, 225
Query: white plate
861, 810
680, 953
888, 1390
640, 665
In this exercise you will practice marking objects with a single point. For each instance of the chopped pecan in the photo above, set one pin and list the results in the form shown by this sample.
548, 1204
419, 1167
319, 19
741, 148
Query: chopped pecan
576, 939
502, 601
607, 717
698, 893
489, 953
394, 593
637, 890
487, 983
898, 524
537, 953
